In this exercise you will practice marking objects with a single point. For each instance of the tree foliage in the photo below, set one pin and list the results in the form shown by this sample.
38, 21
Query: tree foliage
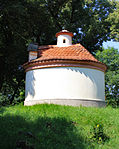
25, 21
110, 57
114, 20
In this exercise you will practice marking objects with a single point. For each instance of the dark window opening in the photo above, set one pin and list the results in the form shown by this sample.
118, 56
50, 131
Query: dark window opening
64, 41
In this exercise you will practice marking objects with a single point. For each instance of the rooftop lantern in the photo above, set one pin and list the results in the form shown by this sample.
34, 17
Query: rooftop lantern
64, 38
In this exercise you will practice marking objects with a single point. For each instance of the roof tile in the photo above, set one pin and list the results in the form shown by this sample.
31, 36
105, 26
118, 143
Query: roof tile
74, 52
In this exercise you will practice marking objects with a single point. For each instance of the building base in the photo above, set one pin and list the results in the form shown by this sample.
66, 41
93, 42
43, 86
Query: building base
70, 102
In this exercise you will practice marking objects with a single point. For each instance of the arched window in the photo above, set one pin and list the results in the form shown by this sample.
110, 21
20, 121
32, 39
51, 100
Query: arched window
64, 40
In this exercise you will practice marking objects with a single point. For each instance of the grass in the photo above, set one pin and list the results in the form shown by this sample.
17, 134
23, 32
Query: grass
58, 127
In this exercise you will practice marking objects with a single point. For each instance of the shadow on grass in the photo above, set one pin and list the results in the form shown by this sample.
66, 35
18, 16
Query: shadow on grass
43, 133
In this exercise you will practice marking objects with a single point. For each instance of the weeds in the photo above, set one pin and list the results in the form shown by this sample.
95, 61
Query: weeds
97, 134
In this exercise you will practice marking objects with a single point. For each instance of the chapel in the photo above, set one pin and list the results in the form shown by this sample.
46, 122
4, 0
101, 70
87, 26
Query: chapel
64, 74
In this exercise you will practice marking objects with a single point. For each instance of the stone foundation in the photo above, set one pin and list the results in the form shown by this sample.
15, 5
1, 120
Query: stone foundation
71, 102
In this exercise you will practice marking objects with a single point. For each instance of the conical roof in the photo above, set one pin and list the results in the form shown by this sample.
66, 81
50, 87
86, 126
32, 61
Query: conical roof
71, 56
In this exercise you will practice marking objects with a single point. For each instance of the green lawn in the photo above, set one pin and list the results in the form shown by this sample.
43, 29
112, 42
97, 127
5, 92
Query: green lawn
58, 127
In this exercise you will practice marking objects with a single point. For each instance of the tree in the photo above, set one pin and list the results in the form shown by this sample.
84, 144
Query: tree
114, 20
25, 21
110, 57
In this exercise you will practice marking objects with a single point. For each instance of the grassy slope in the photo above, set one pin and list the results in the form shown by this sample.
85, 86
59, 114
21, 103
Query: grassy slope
57, 127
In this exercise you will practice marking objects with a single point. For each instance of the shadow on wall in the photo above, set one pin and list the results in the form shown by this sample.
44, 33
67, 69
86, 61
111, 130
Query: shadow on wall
29, 87
88, 74
42, 133
30, 79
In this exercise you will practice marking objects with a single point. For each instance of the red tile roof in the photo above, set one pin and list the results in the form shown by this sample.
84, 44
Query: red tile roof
70, 56
74, 52
64, 32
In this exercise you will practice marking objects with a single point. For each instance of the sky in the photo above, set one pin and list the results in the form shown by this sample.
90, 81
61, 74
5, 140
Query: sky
111, 44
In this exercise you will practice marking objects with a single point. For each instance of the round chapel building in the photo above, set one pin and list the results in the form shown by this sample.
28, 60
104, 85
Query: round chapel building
64, 74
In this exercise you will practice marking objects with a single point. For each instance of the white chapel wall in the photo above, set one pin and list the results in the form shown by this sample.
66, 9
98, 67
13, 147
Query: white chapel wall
65, 83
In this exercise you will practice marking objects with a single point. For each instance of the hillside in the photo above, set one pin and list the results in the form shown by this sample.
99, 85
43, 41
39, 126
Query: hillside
58, 127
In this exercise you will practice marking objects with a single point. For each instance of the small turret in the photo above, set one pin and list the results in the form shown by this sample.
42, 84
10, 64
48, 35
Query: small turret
64, 38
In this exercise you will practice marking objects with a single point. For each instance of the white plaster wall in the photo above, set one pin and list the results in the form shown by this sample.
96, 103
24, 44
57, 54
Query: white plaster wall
65, 83
60, 40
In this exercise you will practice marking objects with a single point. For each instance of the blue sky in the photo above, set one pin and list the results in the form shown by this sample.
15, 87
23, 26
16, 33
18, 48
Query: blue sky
111, 44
